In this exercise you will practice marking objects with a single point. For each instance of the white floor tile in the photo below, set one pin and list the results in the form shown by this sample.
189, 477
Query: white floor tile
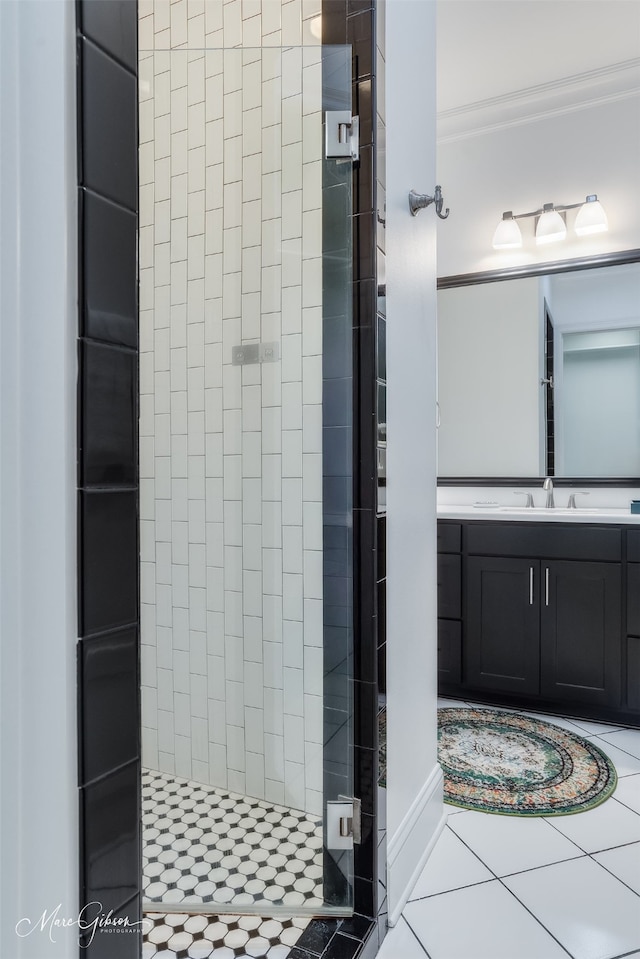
508, 844
400, 943
596, 729
604, 827
627, 739
451, 865
454, 810
561, 721
451, 703
625, 763
623, 862
628, 792
479, 922
585, 908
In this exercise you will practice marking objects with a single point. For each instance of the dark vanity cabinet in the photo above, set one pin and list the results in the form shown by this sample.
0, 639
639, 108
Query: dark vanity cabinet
449, 603
542, 614
580, 621
502, 648
632, 639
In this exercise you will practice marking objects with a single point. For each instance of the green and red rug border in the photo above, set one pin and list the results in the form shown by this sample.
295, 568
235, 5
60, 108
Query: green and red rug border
605, 793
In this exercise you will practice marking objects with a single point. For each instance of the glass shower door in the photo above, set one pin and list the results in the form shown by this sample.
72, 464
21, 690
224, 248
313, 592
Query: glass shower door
245, 464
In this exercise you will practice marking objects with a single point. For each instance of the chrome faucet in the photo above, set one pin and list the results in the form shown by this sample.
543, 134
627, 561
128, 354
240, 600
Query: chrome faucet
548, 486
572, 498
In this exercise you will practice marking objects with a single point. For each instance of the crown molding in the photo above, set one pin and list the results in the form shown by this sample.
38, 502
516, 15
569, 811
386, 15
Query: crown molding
618, 81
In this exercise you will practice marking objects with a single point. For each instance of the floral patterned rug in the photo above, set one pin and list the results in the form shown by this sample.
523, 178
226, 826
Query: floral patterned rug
502, 762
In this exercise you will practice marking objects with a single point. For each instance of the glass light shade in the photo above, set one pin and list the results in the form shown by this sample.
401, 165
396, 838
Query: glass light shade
591, 218
551, 228
507, 235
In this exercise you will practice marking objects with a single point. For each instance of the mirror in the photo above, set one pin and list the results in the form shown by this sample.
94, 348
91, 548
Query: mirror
540, 375
517, 130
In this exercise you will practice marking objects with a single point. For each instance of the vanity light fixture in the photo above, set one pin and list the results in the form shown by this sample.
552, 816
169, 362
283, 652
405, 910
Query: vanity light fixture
551, 226
507, 235
591, 217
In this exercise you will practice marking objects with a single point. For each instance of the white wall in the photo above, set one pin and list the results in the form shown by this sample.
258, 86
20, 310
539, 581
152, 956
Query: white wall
38, 310
230, 456
489, 370
414, 778
607, 298
552, 158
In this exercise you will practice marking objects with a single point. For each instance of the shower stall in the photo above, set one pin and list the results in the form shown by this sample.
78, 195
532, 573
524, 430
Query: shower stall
245, 430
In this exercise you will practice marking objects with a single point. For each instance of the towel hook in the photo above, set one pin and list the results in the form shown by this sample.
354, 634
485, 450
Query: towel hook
419, 201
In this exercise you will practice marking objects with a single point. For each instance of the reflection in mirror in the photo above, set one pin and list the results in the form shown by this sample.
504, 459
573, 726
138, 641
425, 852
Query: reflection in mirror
540, 375
600, 403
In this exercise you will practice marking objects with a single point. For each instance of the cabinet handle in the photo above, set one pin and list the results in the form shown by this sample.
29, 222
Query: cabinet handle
531, 586
546, 586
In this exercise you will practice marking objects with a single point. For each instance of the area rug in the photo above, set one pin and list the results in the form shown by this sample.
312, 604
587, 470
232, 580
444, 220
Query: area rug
502, 762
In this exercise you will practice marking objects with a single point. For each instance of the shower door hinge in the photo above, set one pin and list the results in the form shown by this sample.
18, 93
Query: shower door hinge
343, 823
341, 135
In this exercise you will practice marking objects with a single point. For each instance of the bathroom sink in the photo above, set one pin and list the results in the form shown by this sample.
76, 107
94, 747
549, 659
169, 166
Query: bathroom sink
547, 510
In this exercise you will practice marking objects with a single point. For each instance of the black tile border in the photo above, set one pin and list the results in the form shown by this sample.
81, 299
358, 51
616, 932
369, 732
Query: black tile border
356, 937
110, 850
354, 21
337, 939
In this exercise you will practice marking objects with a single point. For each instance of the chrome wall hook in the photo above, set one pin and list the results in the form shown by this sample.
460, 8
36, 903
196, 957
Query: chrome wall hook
419, 201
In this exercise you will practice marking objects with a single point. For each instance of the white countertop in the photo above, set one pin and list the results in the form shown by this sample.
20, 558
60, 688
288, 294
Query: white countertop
538, 515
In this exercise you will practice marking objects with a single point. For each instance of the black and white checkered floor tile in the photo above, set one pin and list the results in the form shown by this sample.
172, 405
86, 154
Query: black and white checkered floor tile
205, 845
219, 937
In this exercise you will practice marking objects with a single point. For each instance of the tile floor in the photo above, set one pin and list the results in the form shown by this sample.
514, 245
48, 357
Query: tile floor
202, 844
500, 887
219, 937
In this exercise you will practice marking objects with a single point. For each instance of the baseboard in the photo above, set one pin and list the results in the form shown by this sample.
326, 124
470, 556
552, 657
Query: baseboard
413, 842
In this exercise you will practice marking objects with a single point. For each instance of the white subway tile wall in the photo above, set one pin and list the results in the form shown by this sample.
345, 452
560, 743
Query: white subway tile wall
230, 456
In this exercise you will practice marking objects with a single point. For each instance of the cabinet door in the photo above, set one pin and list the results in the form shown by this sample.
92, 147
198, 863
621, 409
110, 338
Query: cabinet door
502, 639
449, 597
449, 651
580, 632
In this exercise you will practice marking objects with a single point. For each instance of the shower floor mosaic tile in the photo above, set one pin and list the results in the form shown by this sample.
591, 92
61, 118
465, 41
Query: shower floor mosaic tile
205, 845
179, 936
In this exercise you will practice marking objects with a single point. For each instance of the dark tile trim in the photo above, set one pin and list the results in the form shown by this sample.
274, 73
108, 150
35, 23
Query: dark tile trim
351, 938
108, 651
360, 30
336, 939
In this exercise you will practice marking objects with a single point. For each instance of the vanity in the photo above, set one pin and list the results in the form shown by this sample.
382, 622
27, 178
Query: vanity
539, 376
541, 609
